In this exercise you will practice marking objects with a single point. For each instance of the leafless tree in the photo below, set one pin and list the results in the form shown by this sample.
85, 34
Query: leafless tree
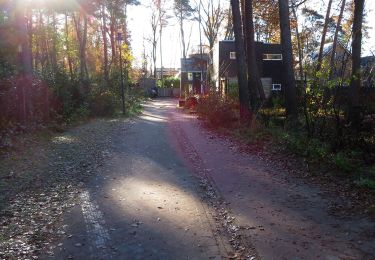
212, 17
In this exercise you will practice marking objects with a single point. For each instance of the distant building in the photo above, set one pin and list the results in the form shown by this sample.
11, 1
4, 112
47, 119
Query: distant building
167, 72
368, 71
268, 57
342, 62
193, 73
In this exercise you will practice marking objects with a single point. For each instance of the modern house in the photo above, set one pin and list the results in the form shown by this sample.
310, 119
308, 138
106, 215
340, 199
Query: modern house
167, 72
193, 73
269, 60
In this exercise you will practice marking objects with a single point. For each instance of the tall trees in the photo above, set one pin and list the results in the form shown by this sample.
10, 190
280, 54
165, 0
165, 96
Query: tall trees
228, 27
286, 43
80, 23
163, 20
266, 21
25, 60
213, 16
335, 39
254, 83
241, 61
154, 27
183, 11
67, 47
324, 33
355, 83
299, 43
158, 20
64, 55
105, 43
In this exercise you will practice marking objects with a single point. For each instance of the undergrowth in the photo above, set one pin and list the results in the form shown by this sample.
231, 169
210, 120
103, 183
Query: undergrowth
321, 154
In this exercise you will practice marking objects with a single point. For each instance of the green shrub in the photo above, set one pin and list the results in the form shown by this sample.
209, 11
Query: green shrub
343, 163
318, 150
169, 82
366, 182
218, 111
104, 104
233, 90
310, 148
80, 113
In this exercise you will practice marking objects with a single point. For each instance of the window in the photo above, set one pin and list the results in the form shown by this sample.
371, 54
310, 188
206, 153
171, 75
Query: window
276, 87
190, 76
268, 56
3, 17
232, 55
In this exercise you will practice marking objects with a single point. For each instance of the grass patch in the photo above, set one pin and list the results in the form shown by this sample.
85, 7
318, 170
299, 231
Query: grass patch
319, 155
367, 183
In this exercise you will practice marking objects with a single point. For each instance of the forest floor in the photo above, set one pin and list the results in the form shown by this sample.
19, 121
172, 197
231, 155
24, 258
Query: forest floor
162, 186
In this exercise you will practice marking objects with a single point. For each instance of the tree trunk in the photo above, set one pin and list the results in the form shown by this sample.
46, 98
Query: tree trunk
324, 33
154, 45
112, 37
182, 35
105, 46
68, 48
241, 62
154, 26
43, 44
332, 64
84, 43
25, 61
30, 34
286, 44
355, 83
299, 45
161, 47
54, 43
255, 86
82, 39
201, 50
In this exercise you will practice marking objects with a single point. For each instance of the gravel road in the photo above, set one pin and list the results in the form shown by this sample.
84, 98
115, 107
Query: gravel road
161, 186
143, 203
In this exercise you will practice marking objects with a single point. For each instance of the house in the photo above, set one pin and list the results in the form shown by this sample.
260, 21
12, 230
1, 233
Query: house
342, 64
193, 73
167, 72
368, 71
269, 60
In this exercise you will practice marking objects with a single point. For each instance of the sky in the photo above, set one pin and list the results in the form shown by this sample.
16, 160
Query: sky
139, 24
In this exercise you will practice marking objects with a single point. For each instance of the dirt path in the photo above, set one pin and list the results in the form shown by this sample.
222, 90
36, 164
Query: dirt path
143, 203
282, 216
162, 187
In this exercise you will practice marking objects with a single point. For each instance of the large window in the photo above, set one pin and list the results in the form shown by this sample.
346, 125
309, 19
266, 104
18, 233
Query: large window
3, 17
190, 76
268, 56
276, 87
232, 55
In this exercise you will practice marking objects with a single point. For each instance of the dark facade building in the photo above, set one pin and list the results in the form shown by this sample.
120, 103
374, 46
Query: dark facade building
193, 73
269, 59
